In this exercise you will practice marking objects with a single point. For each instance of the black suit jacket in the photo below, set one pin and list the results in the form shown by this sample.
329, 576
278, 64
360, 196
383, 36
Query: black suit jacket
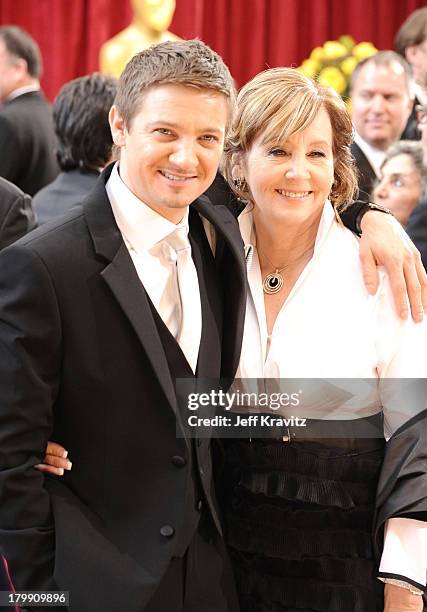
67, 190
27, 142
411, 131
366, 175
16, 213
417, 229
82, 363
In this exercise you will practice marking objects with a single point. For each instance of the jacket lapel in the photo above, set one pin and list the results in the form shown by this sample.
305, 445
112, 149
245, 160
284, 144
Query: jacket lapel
121, 277
230, 260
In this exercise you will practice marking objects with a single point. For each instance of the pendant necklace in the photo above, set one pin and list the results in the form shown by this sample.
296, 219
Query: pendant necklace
273, 282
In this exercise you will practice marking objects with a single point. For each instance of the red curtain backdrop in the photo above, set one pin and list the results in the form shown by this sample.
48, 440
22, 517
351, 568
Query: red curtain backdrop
251, 35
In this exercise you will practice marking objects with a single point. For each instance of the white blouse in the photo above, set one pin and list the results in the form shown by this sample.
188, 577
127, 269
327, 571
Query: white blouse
330, 327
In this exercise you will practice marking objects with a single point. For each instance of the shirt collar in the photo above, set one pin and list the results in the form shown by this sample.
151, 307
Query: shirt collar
374, 156
21, 91
141, 226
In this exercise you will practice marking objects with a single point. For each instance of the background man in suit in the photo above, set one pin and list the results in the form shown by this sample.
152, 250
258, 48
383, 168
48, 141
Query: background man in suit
381, 101
16, 213
80, 119
27, 139
99, 313
411, 43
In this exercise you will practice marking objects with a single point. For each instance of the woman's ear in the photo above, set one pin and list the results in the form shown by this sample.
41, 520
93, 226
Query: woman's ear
237, 166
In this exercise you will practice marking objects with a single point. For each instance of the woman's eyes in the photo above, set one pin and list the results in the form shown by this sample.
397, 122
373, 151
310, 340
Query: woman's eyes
397, 182
277, 152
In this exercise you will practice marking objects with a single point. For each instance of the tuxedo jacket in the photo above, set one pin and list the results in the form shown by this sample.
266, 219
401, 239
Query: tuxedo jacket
27, 142
16, 213
82, 363
411, 131
417, 229
366, 176
67, 190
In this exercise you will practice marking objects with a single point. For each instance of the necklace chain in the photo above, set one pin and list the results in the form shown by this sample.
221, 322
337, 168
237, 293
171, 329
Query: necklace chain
273, 282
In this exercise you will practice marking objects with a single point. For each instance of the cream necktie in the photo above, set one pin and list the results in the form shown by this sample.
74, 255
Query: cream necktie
190, 328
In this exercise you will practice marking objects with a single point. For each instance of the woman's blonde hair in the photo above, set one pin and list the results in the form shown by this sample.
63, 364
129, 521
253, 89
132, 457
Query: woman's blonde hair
280, 102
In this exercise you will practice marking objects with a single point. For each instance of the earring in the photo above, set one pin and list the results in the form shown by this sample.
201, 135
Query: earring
239, 183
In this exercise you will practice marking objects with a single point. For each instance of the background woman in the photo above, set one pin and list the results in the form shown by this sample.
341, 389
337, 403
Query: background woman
403, 179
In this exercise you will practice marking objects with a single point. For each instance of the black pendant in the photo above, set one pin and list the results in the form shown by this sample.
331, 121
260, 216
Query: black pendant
272, 283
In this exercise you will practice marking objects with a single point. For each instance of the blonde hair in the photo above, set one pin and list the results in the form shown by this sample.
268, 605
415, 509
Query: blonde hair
280, 102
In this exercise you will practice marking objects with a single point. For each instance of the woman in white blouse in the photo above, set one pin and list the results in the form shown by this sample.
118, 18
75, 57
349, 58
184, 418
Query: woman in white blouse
300, 513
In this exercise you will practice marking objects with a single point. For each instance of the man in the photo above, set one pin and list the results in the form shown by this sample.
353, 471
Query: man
417, 222
80, 119
381, 101
27, 139
411, 43
108, 328
99, 312
16, 213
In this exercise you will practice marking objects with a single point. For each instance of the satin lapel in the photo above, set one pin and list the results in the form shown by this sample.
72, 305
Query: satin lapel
224, 222
120, 275
230, 260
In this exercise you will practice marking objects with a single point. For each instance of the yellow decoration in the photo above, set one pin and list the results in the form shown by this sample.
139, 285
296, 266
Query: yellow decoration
333, 49
348, 65
333, 77
318, 55
348, 41
334, 63
310, 68
364, 50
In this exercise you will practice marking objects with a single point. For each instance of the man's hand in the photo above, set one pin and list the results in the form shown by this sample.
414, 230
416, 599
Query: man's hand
397, 599
55, 461
385, 243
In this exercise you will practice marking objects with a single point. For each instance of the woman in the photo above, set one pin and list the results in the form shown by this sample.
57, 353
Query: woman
299, 515
403, 179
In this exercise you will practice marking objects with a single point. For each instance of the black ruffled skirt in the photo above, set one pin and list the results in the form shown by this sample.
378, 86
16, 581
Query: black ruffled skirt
299, 519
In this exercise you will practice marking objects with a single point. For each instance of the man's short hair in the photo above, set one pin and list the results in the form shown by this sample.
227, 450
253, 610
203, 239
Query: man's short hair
80, 118
387, 59
20, 44
184, 62
412, 32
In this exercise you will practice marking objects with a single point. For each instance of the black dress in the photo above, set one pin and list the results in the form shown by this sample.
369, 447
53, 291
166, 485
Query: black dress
300, 518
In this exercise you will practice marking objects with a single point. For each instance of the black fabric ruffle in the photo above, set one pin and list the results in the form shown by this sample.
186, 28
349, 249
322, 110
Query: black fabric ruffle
299, 522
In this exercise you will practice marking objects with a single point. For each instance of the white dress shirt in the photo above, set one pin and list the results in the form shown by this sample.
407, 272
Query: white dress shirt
374, 156
330, 327
145, 234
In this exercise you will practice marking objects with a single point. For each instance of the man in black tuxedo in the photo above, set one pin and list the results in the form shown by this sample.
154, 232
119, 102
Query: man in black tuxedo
80, 119
411, 42
27, 139
16, 213
381, 101
94, 330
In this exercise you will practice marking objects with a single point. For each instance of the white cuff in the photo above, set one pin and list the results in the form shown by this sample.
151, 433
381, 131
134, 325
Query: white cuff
405, 549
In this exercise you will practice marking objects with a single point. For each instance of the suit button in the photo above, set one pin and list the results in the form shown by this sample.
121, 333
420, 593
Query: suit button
179, 461
167, 531
199, 505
